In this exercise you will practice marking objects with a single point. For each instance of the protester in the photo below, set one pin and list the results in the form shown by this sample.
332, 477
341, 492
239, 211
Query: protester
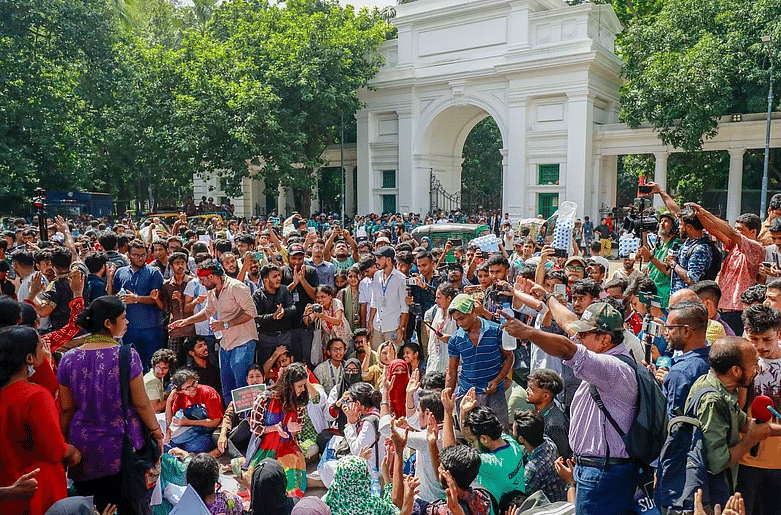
203, 473
192, 411
155, 381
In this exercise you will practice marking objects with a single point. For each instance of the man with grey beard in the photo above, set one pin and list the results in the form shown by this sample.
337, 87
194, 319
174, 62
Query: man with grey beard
658, 271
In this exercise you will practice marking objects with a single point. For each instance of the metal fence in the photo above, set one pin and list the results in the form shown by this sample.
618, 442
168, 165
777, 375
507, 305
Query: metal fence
440, 198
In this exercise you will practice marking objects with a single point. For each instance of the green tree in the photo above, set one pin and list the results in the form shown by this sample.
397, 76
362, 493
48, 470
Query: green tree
481, 170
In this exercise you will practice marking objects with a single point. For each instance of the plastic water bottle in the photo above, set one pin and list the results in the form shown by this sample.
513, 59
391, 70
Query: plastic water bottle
217, 334
122, 292
414, 338
393, 336
376, 489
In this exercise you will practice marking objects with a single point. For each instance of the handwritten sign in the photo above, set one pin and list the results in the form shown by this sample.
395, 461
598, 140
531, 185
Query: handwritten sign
244, 397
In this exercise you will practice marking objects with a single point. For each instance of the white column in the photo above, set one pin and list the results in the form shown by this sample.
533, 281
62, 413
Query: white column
364, 156
735, 185
412, 185
597, 186
515, 199
660, 176
580, 144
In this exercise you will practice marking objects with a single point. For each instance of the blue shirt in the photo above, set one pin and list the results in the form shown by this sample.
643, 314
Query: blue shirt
695, 257
325, 272
685, 369
479, 365
140, 282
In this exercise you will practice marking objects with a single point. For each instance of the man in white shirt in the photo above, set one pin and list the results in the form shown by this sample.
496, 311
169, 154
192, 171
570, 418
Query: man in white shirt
389, 312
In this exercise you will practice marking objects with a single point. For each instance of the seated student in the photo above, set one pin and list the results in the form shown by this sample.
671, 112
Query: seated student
373, 373
543, 387
198, 361
329, 372
281, 358
156, 380
709, 293
234, 434
538, 462
195, 405
203, 474
412, 354
363, 347
501, 468
457, 467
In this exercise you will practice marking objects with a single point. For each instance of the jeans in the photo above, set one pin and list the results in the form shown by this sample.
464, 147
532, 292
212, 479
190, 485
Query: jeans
146, 342
268, 343
759, 488
234, 365
608, 491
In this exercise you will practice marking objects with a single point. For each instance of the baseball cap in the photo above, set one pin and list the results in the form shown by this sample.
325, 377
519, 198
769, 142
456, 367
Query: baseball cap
386, 251
602, 261
295, 249
382, 239
599, 316
573, 259
463, 303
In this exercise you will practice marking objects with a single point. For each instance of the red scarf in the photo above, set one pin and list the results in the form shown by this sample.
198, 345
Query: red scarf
398, 394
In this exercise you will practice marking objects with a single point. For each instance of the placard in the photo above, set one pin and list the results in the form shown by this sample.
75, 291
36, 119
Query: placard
244, 397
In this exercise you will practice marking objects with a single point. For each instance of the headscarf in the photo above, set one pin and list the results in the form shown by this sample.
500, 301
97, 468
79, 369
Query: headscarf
269, 485
398, 394
425, 242
350, 492
311, 505
343, 386
72, 506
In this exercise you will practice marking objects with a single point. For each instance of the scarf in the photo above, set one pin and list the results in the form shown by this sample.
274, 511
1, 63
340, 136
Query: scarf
398, 394
350, 492
311, 506
269, 484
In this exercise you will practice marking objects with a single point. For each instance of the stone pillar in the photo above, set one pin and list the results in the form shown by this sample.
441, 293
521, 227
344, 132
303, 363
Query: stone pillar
660, 176
580, 145
515, 199
735, 184
412, 186
364, 155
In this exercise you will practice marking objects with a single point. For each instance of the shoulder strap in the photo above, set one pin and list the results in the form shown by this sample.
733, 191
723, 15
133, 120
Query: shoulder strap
598, 399
124, 378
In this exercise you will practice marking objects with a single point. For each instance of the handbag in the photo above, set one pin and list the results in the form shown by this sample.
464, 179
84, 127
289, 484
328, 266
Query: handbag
140, 469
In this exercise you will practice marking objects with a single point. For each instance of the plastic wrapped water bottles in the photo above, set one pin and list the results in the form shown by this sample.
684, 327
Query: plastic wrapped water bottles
627, 244
565, 221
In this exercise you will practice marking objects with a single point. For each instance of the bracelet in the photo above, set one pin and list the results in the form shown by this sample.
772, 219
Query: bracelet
547, 296
409, 407
385, 402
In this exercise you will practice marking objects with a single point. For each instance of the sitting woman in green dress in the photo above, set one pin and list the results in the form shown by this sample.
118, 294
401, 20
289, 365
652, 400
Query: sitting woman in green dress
276, 421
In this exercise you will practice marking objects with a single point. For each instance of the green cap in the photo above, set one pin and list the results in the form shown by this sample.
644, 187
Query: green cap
599, 316
463, 303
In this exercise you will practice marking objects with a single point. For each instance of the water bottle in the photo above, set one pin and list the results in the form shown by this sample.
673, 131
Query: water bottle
414, 338
393, 336
122, 292
217, 334
376, 489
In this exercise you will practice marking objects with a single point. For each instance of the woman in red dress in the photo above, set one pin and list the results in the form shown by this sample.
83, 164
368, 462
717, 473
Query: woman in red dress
30, 427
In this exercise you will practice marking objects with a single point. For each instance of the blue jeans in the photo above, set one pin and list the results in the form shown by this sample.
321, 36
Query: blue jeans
146, 342
608, 491
234, 365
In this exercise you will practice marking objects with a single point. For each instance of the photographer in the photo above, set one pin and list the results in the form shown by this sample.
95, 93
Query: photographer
694, 256
667, 243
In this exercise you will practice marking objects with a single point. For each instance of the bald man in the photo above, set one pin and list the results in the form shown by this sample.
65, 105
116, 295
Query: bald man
715, 330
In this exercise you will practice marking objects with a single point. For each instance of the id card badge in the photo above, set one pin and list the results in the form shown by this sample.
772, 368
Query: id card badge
296, 296
384, 302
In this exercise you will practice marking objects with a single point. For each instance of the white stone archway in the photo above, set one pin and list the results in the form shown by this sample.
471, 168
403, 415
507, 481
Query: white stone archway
544, 71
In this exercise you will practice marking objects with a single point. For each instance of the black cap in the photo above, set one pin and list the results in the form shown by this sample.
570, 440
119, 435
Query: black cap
386, 251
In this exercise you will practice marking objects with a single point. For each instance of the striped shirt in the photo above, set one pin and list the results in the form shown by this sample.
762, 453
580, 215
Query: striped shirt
481, 364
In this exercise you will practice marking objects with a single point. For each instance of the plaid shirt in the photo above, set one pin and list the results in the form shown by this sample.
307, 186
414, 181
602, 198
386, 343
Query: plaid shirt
695, 257
541, 474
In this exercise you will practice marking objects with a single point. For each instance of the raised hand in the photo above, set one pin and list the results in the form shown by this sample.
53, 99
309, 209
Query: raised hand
448, 400
414, 381
469, 401
398, 436
452, 494
432, 430
25, 487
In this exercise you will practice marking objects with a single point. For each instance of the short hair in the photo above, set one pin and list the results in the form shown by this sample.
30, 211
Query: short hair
23, 257
641, 285
203, 472
424, 254
404, 256
775, 202
725, 353
707, 290
108, 240
327, 289
598, 265
182, 376
557, 275
529, 424
166, 355
160, 243
95, 261
210, 264
244, 238
463, 463
755, 294
222, 245
433, 380
41, 255
596, 246
432, 401
266, 270
751, 221
547, 380
482, 420
759, 318
692, 219
361, 331
586, 286
136, 244
775, 284
775, 224
178, 255
122, 240
447, 290
618, 282
10, 311
61, 257
692, 314
498, 259
332, 341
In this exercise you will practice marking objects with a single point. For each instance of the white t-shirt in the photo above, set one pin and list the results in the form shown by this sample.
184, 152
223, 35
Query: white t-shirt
430, 488
193, 289
437, 349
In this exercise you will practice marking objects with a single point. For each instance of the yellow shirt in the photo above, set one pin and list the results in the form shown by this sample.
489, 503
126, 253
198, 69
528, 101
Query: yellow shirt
714, 332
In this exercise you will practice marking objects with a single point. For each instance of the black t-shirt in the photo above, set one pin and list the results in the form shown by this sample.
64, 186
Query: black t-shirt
59, 292
300, 297
7, 288
210, 376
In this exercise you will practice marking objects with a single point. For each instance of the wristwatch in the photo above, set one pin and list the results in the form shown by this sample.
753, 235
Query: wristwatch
547, 296
225, 325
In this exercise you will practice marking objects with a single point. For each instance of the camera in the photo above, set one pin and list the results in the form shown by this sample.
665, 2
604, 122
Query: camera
641, 218
410, 282
652, 328
415, 309
644, 189
317, 308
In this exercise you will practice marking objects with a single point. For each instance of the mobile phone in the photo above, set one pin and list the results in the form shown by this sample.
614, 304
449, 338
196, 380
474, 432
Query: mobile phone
456, 243
560, 253
312, 230
767, 264
258, 255
559, 290
644, 188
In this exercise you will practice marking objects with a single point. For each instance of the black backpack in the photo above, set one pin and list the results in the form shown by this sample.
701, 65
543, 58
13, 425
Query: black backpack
682, 468
715, 263
648, 432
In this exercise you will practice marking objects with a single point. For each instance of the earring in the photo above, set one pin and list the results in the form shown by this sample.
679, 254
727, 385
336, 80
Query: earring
30, 369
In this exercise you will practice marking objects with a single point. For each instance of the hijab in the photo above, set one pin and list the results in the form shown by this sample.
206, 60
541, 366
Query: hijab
269, 485
72, 506
343, 386
398, 394
311, 505
425, 242
350, 492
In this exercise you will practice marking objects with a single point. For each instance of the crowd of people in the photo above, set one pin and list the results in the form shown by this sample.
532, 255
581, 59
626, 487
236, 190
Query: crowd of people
406, 378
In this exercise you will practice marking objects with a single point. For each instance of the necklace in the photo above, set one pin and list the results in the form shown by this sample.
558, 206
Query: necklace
99, 338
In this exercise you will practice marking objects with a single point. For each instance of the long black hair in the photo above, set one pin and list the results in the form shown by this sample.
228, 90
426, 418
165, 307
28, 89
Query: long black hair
16, 343
93, 318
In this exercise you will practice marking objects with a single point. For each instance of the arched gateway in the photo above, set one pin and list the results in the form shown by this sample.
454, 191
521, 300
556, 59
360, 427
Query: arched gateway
544, 71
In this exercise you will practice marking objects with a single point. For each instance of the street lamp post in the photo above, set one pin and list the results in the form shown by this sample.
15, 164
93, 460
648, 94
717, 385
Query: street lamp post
763, 203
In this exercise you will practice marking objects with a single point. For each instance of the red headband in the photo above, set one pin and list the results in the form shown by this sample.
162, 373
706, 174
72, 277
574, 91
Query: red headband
203, 272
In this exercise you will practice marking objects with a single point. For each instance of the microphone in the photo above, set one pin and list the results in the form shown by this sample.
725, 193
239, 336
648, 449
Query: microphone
762, 411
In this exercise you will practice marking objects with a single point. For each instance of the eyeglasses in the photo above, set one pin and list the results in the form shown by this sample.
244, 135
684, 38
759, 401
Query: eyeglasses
192, 387
670, 326
572, 268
